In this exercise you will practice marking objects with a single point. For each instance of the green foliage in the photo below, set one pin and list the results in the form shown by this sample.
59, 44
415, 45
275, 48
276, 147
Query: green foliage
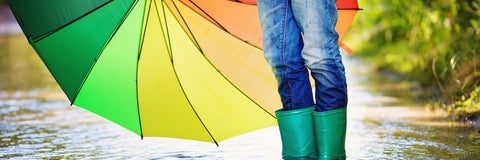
466, 107
433, 42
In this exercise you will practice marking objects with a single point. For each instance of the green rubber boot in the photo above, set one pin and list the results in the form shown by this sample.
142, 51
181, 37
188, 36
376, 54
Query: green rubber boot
330, 130
297, 133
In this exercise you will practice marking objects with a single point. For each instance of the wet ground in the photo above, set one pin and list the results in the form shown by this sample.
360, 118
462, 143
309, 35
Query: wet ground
36, 122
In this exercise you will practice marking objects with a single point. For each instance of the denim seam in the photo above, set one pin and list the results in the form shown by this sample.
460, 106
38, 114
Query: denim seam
284, 74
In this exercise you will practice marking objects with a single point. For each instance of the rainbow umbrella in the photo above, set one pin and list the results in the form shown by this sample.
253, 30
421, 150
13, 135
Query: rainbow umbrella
188, 69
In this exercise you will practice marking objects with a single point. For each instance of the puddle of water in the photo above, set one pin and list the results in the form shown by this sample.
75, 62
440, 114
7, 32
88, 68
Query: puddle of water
37, 123
384, 123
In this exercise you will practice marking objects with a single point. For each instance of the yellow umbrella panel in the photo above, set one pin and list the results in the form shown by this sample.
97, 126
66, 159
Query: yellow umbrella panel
181, 94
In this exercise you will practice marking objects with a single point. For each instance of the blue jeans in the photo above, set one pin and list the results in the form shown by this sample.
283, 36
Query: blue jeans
300, 34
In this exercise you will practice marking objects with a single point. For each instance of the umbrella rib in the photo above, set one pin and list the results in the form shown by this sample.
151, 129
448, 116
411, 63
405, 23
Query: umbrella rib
355, 9
209, 16
178, 79
101, 51
186, 24
67, 24
144, 29
140, 48
219, 24
103, 48
237, 1
188, 27
218, 70
170, 53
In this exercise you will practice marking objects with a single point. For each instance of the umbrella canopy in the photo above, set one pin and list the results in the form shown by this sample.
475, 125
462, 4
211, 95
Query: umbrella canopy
189, 69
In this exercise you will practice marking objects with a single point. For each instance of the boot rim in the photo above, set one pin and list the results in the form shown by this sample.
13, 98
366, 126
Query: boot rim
282, 112
334, 111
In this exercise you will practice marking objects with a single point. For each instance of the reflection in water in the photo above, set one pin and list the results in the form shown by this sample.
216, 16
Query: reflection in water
33, 129
413, 133
380, 126
37, 123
